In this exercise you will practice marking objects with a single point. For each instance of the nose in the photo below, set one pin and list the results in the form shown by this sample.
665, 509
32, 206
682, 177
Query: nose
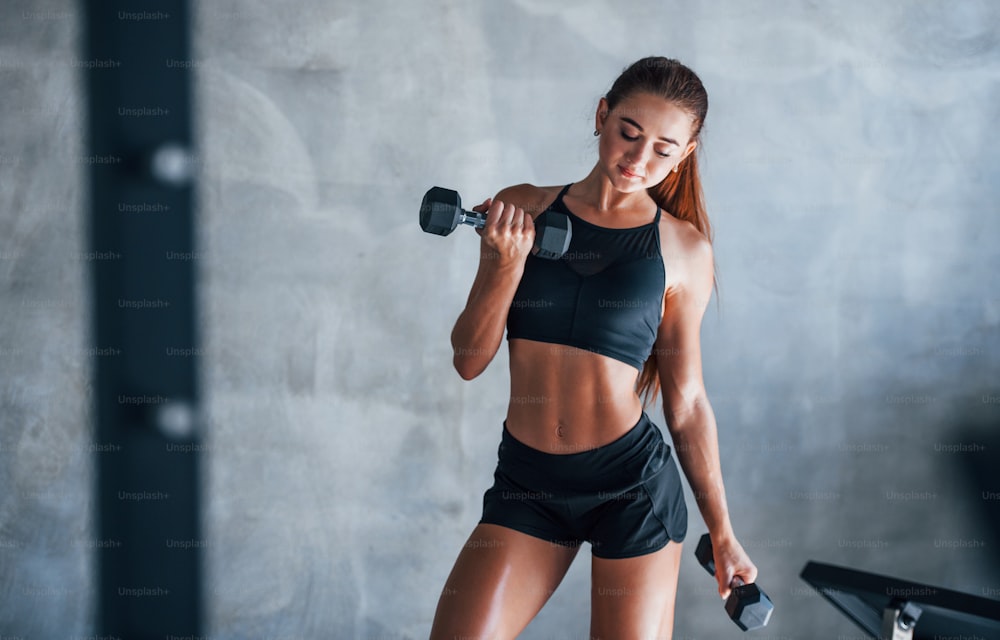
637, 155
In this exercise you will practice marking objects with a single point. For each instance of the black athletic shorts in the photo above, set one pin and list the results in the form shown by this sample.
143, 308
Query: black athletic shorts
625, 498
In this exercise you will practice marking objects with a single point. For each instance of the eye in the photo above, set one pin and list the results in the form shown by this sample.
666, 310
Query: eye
634, 138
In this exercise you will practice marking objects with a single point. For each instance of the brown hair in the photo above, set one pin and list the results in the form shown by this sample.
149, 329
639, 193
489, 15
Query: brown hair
679, 193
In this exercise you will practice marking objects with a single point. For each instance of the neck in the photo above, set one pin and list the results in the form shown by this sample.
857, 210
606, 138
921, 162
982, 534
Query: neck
598, 192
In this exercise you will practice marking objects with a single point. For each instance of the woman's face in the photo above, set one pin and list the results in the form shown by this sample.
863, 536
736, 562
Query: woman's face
642, 140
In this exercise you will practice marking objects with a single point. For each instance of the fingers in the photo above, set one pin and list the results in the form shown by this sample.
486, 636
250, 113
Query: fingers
733, 568
482, 208
494, 211
529, 222
501, 216
724, 586
736, 575
508, 229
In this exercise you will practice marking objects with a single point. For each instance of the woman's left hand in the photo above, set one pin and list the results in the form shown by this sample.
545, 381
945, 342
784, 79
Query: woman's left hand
731, 561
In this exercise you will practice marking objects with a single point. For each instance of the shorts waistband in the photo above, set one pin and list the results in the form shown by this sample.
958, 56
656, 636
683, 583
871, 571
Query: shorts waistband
617, 457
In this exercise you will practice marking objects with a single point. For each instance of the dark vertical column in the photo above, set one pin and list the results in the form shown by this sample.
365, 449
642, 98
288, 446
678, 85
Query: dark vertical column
137, 66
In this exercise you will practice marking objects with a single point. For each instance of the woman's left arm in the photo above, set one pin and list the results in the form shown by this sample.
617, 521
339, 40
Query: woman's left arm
688, 414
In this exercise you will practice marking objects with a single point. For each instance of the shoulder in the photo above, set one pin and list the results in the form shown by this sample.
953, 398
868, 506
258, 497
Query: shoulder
531, 198
688, 255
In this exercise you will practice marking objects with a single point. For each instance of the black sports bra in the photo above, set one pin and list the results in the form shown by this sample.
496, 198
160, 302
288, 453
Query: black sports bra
604, 295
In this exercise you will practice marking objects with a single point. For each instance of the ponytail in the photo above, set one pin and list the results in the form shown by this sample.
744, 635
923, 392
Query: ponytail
680, 193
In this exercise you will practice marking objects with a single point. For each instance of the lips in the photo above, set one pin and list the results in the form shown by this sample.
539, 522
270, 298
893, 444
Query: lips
628, 174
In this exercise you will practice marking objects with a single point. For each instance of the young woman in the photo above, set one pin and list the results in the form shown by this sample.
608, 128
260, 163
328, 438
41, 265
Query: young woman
591, 336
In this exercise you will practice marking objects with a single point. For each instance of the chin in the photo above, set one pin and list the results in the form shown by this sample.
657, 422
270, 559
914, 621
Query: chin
632, 188
629, 186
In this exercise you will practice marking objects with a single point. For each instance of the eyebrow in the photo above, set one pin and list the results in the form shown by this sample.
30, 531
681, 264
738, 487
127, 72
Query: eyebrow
639, 127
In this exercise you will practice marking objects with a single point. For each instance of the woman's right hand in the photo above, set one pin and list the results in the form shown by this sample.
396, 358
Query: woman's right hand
509, 233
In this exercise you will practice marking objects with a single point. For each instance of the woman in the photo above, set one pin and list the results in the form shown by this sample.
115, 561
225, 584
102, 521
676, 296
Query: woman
591, 336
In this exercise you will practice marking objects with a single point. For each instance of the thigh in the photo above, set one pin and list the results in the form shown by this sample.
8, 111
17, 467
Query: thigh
501, 579
633, 598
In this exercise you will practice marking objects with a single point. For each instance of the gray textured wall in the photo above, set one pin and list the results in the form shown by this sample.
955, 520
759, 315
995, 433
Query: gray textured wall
848, 170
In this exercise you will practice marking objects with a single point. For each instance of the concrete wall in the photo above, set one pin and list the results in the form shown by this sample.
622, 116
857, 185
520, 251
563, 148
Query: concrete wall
849, 173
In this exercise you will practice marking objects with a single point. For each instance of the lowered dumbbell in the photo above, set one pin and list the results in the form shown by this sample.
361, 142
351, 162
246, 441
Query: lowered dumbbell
441, 212
747, 604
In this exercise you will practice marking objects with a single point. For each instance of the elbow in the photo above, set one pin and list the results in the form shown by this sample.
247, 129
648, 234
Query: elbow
466, 368
693, 413
468, 361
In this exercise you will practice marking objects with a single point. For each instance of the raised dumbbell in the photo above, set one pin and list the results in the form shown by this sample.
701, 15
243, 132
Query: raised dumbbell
441, 212
747, 604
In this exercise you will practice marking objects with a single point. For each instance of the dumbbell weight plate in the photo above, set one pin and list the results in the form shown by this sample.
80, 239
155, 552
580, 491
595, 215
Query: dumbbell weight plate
440, 211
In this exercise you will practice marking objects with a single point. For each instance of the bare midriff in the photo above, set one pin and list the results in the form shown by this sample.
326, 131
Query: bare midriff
567, 400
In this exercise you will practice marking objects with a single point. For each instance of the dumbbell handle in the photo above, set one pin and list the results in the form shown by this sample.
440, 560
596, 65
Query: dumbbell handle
473, 218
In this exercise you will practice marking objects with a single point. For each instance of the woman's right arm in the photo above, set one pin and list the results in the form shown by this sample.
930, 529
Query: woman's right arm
505, 242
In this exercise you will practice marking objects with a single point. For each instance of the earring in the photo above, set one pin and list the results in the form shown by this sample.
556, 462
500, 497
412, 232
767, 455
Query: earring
596, 133
677, 168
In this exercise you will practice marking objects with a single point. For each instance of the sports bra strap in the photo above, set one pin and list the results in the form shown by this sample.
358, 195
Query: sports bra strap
562, 193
